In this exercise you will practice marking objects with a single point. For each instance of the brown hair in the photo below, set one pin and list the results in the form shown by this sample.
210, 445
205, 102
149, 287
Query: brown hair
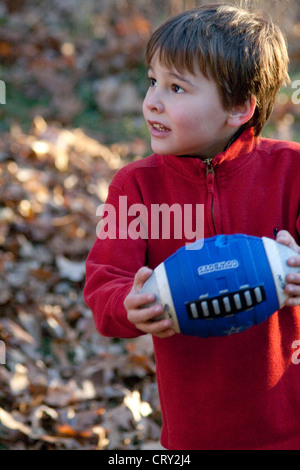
244, 52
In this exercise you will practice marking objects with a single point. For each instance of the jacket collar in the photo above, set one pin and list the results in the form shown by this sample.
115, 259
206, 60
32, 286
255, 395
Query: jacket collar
233, 156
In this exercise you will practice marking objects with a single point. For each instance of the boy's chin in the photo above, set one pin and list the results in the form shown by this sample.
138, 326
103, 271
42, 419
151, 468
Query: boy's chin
163, 150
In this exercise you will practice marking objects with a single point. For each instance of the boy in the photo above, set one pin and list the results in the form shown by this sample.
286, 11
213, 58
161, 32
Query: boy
214, 74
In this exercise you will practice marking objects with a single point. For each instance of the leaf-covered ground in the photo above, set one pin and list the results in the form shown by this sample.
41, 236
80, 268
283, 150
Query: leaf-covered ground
65, 68
63, 386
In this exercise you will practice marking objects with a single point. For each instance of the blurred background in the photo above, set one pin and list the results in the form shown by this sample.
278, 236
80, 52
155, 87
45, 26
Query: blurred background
72, 83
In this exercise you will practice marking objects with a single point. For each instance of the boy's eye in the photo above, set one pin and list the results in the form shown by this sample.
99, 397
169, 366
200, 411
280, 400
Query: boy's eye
177, 89
152, 81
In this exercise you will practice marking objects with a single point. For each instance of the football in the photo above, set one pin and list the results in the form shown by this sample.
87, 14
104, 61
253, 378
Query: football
221, 285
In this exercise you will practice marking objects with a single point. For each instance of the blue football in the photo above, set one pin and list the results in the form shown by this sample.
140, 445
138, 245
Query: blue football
222, 285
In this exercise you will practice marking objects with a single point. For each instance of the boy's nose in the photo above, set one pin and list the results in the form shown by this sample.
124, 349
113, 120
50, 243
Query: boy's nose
153, 103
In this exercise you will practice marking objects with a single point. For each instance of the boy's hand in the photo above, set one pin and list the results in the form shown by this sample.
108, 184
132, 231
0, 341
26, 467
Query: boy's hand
143, 318
293, 285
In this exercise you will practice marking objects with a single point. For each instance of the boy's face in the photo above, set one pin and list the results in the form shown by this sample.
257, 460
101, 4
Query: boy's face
184, 113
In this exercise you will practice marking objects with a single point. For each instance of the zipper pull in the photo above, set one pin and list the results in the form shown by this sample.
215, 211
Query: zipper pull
209, 166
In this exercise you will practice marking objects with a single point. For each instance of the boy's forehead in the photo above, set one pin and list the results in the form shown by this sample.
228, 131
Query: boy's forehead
174, 70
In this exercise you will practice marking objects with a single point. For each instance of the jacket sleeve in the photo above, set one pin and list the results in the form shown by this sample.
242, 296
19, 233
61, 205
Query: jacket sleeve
110, 269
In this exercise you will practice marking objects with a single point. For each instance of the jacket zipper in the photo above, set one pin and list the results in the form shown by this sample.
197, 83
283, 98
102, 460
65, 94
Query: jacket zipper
209, 166
210, 171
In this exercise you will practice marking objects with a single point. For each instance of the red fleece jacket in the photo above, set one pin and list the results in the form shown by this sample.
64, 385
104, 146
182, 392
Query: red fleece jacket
236, 392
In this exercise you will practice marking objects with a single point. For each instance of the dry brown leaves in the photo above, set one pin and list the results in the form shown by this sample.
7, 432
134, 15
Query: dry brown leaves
62, 385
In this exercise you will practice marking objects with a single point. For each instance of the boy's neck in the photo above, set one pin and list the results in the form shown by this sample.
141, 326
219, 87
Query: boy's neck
231, 141
234, 137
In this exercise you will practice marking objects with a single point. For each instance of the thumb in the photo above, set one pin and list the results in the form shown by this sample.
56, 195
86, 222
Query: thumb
285, 238
141, 277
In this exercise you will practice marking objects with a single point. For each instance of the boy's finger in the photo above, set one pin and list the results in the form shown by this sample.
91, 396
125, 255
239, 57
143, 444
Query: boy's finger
141, 277
285, 238
146, 314
293, 289
136, 301
293, 301
293, 278
162, 328
294, 261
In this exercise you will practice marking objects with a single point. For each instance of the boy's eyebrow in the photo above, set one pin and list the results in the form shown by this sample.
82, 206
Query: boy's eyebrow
175, 75
180, 77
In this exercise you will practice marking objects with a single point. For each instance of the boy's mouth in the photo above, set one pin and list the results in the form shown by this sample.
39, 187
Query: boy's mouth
158, 126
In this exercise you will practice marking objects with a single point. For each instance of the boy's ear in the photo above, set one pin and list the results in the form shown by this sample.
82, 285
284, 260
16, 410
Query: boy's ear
241, 114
